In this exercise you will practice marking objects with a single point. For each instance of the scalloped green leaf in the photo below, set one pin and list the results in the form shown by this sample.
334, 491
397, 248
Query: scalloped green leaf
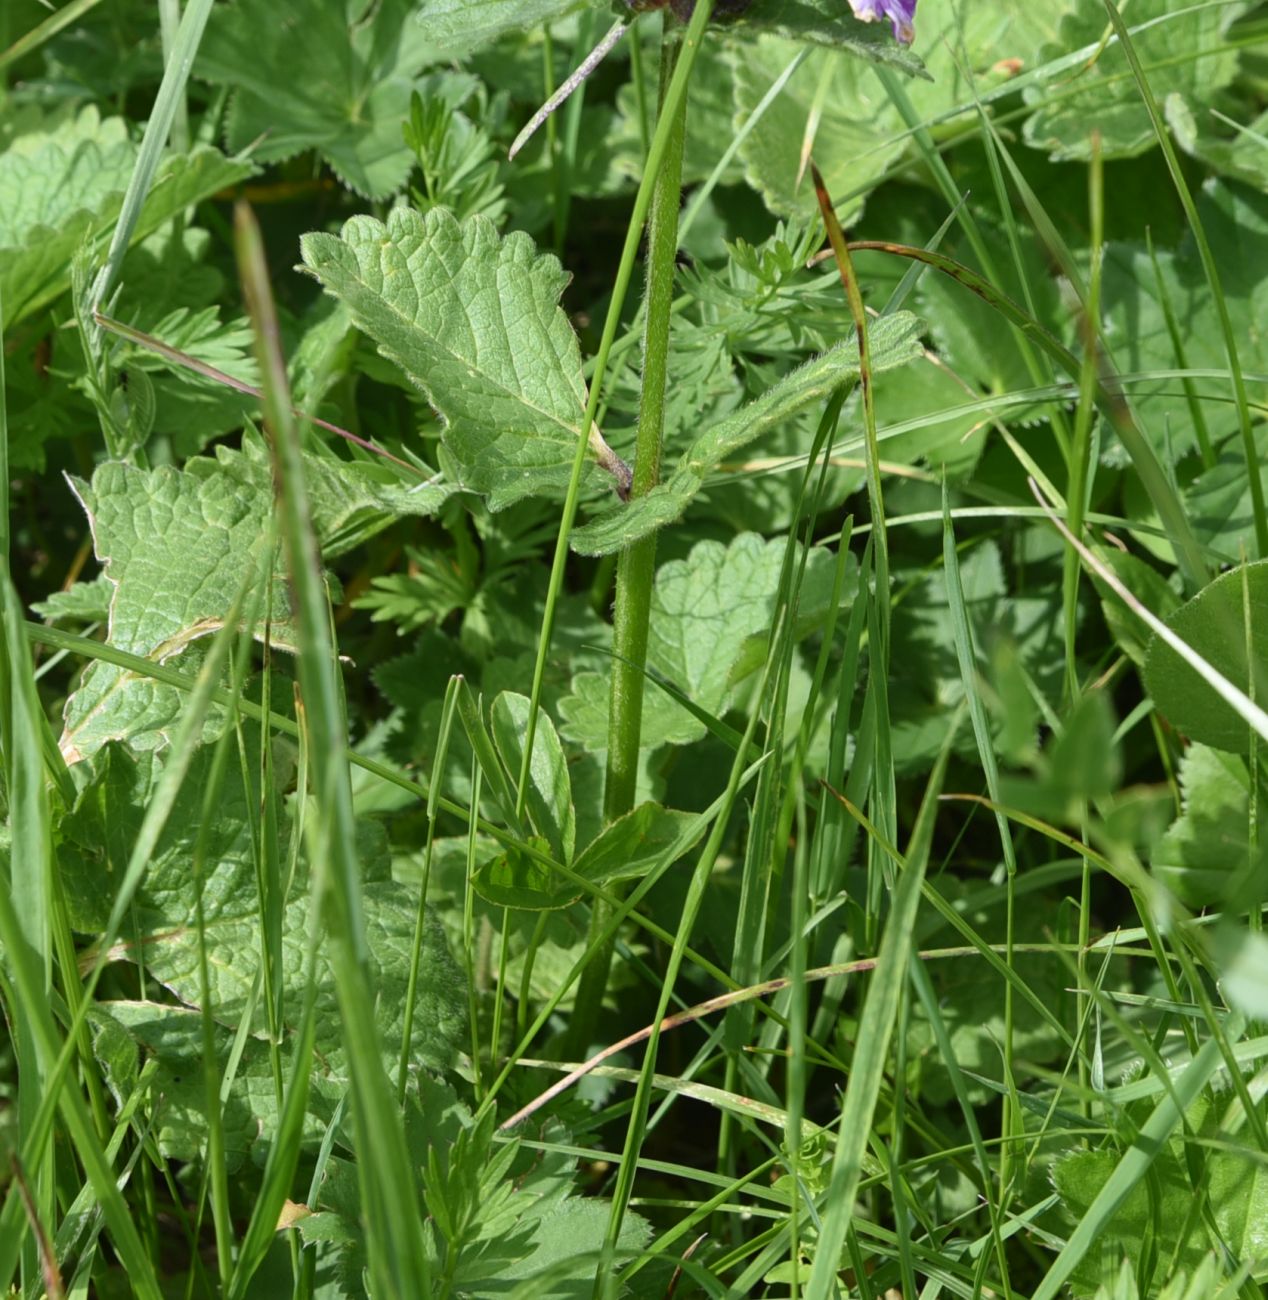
175, 546
1227, 624
859, 133
62, 181
360, 64
706, 610
462, 26
1207, 857
1150, 1217
97, 838
1100, 95
474, 321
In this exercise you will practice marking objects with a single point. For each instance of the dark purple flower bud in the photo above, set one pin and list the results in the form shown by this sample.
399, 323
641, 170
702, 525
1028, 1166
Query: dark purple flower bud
899, 12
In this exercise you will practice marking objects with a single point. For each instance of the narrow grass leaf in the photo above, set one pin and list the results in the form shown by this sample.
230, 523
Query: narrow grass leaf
398, 1259
871, 1048
169, 99
1153, 1136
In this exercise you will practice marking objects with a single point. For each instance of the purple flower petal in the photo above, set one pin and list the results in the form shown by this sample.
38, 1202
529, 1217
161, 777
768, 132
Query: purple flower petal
899, 12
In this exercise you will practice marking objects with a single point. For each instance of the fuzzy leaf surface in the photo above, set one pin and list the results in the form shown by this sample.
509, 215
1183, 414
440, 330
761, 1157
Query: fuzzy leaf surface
175, 546
98, 835
474, 321
1106, 98
859, 133
1151, 1217
461, 26
1206, 855
62, 181
706, 610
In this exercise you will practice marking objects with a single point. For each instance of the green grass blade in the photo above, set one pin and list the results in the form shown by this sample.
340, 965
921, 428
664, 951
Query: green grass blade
1154, 1134
167, 103
871, 1050
29, 976
56, 22
398, 1260
629, 253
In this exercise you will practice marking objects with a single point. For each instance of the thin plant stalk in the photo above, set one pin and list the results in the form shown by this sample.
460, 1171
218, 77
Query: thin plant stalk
642, 202
1082, 475
411, 991
636, 566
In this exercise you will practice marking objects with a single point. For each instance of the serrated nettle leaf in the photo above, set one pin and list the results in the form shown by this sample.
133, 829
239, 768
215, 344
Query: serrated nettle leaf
81, 602
707, 612
460, 26
474, 321
98, 835
894, 340
62, 183
233, 945
359, 67
549, 794
629, 847
1207, 856
1105, 98
175, 546
583, 714
173, 1038
1227, 624
350, 500
706, 608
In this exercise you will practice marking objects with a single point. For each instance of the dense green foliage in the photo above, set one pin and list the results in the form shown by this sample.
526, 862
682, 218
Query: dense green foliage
465, 617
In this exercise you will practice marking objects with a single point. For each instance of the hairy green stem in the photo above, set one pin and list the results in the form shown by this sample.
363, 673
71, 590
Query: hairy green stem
636, 567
